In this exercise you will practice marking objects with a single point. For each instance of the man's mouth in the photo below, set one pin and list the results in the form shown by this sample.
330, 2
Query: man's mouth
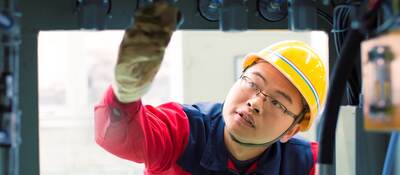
247, 119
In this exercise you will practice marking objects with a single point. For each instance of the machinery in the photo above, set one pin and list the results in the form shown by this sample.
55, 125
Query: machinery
364, 56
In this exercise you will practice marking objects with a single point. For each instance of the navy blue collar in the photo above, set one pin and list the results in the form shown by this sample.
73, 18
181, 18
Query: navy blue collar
215, 156
270, 160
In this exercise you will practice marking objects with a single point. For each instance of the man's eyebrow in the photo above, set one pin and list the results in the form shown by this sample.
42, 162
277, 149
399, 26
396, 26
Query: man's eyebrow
281, 93
284, 95
262, 77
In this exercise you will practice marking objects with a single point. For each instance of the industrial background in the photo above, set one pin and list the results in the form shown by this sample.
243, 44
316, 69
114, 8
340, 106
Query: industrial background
57, 59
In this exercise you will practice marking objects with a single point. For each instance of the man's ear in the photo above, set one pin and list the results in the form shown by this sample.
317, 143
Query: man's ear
290, 133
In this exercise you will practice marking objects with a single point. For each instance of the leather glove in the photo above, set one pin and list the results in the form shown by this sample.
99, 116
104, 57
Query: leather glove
142, 49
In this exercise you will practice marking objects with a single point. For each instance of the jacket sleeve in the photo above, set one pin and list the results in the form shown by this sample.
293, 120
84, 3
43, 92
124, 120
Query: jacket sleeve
156, 136
314, 150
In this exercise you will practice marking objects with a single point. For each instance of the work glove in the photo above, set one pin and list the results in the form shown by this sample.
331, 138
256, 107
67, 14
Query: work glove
142, 49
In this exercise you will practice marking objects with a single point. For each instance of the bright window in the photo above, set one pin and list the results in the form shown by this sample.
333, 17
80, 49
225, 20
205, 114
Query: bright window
75, 68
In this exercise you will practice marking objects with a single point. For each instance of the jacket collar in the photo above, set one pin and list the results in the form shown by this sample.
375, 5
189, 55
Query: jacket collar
215, 156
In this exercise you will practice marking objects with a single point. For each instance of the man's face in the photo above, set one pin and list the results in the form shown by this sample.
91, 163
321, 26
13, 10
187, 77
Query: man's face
256, 118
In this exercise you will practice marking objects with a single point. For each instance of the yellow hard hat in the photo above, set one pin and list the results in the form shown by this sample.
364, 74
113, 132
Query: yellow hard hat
299, 63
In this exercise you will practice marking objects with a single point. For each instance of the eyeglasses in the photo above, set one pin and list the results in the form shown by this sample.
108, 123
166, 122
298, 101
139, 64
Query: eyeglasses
250, 86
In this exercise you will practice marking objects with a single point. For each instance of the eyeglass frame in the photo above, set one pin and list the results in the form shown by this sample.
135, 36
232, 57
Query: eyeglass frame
266, 96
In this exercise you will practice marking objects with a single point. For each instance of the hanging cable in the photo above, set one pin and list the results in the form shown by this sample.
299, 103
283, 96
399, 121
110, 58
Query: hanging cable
325, 16
341, 70
341, 24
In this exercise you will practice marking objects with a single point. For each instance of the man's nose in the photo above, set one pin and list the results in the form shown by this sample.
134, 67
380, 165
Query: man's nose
256, 103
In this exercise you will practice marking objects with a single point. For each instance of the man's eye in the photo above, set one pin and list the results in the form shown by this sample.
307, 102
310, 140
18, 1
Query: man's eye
276, 103
252, 84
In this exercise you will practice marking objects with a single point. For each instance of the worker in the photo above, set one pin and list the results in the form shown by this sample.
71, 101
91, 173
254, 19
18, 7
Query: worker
279, 93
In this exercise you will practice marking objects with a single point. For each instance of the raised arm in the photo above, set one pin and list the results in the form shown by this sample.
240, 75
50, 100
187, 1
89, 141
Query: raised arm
155, 136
